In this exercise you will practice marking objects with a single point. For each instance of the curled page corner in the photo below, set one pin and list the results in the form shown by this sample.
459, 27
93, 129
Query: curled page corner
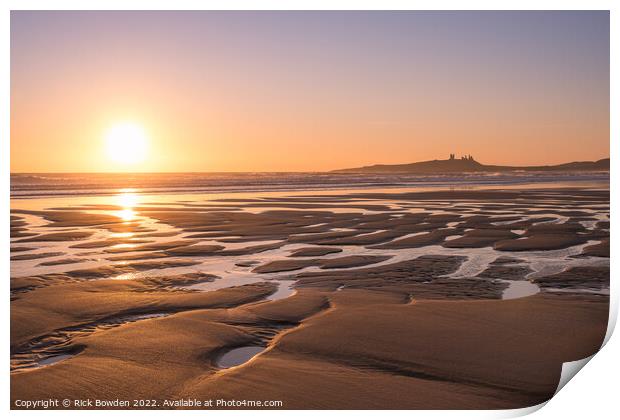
570, 369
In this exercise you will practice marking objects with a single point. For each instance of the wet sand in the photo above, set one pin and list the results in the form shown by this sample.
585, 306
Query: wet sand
433, 299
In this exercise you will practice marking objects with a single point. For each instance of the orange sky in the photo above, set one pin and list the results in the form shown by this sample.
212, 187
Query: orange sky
293, 92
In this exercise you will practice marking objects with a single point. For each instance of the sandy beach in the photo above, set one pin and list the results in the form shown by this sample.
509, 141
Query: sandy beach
463, 299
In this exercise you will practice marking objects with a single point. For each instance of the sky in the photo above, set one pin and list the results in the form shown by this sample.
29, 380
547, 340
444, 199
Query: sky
306, 91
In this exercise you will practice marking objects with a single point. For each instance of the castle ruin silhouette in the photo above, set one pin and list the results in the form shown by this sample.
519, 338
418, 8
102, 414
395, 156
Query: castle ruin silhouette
466, 157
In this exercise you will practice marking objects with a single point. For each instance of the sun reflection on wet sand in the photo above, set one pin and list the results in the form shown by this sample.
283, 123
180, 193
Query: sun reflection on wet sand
127, 198
123, 246
122, 235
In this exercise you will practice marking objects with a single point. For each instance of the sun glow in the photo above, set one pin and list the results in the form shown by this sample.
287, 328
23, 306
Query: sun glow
126, 143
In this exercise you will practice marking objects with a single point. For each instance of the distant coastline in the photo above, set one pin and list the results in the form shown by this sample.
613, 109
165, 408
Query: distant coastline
469, 164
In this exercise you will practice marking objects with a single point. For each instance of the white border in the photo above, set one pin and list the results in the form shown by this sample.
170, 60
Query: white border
592, 394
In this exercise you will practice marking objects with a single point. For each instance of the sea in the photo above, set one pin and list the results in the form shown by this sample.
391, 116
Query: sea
31, 185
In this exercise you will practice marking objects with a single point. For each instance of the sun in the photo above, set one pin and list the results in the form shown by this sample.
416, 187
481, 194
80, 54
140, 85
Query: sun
126, 143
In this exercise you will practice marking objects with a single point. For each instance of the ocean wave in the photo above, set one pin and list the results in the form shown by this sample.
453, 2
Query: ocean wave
34, 185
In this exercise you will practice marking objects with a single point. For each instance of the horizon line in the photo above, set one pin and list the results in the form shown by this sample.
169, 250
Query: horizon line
285, 172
